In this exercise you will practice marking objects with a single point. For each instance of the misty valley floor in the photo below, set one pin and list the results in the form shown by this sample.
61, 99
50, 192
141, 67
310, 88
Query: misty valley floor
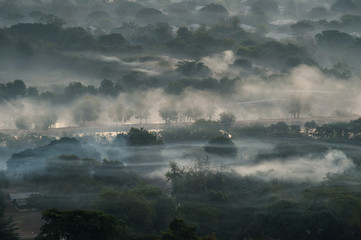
180, 120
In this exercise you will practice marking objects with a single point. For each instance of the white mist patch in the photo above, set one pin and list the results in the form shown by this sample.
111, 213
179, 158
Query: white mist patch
325, 95
312, 79
278, 36
300, 169
355, 104
111, 59
219, 63
283, 22
151, 68
148, 72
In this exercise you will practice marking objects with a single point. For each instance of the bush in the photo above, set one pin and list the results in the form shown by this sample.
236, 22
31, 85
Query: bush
221, 146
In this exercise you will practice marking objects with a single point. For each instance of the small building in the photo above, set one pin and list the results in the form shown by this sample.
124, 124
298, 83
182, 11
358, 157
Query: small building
20, 200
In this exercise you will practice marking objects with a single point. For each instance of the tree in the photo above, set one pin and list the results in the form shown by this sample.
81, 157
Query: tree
150, 15
340, 70
351, 21
23, 123
7, 226
143, 208
213, 13
310, 125
127, 8
135, 211
35, 159
77, 225
168, 113
163, 32
334, 38
76, 38
7, 229
117, 112
77, 89
129, 113
52, 19
174, 172
140, 137
296, 106
270, 7
193, 68
184, 34
107, 87
302, 27
282, 221
344, 6
222, 146
4, 180
32, 92
45, 121
318, 13
141, 111
16, 89
258, 15
175, 88
87, 109
11, 90
193, 113
112, 40
280, 129
227, 119
178, 230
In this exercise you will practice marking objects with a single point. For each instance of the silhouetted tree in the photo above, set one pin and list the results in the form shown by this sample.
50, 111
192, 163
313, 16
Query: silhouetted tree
45, 121
344, 6
178, 230
140, 137
7, 226
184, 34
117, 112
77, 225
77, 89
168, 113
295, 106
107, 87
310, 125
192, 113
23, 123
141, 111
12, 90
193, 68
227, 119
222, 146
111, 41
52, 19
87, 109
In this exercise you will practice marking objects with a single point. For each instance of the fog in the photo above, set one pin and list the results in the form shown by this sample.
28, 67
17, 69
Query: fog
251, 160
252, 98
311, 168
220, 113
308, 169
